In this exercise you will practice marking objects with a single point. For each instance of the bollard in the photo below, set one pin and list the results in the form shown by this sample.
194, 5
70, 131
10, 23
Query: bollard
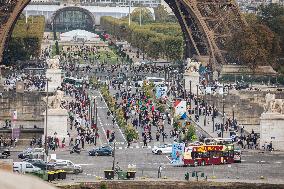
186, 176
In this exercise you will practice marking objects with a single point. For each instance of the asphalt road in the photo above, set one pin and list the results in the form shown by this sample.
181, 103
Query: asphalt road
254, 164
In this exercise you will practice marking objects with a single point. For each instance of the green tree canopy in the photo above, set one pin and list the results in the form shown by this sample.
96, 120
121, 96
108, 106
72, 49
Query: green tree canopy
146, 15
254, 46
161, 14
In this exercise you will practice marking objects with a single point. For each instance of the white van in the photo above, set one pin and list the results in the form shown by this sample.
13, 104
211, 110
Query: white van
24, 167
155, 80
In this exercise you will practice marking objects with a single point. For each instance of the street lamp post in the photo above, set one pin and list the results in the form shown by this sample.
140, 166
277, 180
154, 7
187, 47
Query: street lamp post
96, 134
223, 112
234, 112
46, 114
197, 99
213, 116
113, 155
184, 91
190, 87
129, 14
205, 118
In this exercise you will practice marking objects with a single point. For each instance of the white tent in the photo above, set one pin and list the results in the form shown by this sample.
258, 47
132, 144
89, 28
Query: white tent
79, 35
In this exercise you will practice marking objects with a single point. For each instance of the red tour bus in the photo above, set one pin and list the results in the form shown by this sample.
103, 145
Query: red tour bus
208, 155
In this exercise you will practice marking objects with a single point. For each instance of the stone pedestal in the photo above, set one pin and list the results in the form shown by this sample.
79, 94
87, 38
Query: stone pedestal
57, 122
272, 129
55, 79
193, 78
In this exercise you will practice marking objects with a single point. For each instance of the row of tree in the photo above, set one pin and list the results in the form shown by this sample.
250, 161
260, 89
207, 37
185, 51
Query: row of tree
154, 39
26, 39
262, 41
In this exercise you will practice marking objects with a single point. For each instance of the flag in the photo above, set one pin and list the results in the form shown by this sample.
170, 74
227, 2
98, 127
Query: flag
14, 115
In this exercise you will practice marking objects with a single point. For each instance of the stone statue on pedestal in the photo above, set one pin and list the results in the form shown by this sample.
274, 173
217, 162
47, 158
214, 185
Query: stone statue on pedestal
192, 66
273, 105
54, 102
53, 63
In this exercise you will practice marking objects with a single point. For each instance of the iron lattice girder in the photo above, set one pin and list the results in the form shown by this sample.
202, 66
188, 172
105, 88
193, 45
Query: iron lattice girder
215, 19
10, 11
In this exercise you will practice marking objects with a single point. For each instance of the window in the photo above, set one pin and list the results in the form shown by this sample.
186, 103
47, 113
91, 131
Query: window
29, 165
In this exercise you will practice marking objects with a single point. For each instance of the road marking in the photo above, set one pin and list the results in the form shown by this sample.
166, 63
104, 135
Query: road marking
137, 147
104, 133
260, 161
278, 162
168, 158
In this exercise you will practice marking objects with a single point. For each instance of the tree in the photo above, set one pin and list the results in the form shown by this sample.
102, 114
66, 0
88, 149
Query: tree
155, 47
161, 14
130, 133
174, 48
272, 15
146, 15
251, 18
254, 46
56, 48
190, 135
269, 12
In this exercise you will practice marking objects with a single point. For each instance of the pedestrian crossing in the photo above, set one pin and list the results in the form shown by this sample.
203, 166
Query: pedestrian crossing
102, 107
132, 147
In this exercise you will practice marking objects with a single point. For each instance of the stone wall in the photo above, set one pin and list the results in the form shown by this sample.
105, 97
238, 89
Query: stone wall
29, 108
168, 185
248, 106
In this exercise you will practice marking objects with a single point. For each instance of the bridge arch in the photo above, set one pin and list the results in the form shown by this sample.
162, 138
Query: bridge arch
206, 25
72, 17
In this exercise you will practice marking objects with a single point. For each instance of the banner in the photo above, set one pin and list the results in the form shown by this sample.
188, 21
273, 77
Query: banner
180, 109
161, 92
16, 133
177, 154
14, 115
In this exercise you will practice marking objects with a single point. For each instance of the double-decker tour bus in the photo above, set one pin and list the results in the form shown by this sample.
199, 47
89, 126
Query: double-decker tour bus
202, 155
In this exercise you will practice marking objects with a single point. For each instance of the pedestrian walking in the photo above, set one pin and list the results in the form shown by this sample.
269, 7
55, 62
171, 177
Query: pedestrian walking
160, 171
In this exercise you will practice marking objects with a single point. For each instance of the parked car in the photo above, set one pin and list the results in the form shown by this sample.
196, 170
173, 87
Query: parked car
102, 151
41, 164
162, 149
31, 153
242, 85
24, 167
67, 166
4, 152
24, 153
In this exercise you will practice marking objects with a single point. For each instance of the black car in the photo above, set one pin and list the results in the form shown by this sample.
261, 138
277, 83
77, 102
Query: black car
242, 85
41, 164
102, 151
4, 152
24, 154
